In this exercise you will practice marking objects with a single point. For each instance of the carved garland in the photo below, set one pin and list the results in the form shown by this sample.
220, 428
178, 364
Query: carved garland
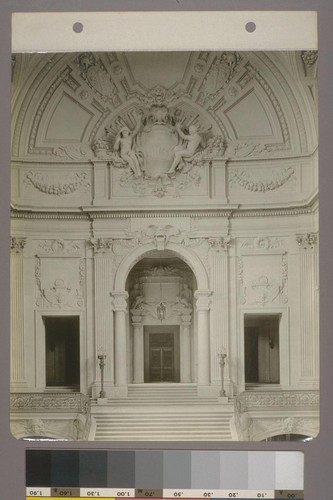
244, 179
74, 183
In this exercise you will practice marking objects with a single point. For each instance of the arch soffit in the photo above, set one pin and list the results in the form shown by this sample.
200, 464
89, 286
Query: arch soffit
188, 256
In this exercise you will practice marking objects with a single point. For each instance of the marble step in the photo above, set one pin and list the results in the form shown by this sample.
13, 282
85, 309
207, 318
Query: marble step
178, 426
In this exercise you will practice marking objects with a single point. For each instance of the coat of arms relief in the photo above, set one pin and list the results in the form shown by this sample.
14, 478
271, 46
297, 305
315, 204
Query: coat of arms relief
158, 148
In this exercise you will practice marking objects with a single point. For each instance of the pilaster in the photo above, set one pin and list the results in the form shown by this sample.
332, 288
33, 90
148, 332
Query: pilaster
220, 312
17, 361
309, 329
103, 262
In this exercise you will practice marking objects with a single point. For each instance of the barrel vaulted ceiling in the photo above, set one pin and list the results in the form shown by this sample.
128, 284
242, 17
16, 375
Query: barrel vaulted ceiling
261, 104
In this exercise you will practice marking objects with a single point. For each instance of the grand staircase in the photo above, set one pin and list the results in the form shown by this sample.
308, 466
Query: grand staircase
162, 412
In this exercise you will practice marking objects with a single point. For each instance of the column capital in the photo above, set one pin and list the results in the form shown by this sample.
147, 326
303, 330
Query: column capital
119, 300
203, 299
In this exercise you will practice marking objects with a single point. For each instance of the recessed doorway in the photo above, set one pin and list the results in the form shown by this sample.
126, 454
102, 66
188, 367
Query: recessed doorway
62, 352
262, 346
161, 354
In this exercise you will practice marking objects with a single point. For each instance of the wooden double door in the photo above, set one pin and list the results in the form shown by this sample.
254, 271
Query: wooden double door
162, 357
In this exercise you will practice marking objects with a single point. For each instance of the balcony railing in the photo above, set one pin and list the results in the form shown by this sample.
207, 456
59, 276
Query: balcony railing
263, 414
49, 402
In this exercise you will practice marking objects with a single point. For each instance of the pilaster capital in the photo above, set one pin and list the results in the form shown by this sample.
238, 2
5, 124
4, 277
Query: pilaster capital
219, 244
101, 245
203, 298
307, 241
186, 319
17, 244
119, 301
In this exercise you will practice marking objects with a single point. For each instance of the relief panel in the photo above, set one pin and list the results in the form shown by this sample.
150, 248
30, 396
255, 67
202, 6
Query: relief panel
263, 279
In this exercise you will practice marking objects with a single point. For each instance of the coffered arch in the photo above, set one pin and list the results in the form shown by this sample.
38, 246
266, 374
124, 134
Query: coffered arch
69, 99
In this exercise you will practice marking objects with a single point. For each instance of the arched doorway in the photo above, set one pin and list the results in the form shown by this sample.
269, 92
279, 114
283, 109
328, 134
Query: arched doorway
162, 326
127, 369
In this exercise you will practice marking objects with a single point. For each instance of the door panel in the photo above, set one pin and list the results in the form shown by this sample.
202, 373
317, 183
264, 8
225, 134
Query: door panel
162, 355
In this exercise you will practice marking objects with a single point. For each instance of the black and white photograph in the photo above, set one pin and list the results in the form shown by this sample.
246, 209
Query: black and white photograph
164, 246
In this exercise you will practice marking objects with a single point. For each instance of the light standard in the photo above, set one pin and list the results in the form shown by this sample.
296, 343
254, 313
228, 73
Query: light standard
221, 357
101, 357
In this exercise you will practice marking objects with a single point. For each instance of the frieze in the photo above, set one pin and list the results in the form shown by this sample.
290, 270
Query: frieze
45, 184
59, 247
247, 150
17, 244
77, 403
263, 243
249, 401
307, 241
249, 182
73, 152
170, 309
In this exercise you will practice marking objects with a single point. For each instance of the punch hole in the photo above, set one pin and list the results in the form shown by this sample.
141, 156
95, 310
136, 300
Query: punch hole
250, 27
77, 27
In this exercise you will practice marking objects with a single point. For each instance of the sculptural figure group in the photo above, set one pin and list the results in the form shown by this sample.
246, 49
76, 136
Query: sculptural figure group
126, 147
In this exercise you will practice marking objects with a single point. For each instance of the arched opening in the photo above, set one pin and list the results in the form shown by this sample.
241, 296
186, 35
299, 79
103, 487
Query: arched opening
133, 367
161, 319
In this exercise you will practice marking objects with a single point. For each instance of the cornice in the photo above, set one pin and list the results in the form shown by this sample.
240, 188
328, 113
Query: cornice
229, 213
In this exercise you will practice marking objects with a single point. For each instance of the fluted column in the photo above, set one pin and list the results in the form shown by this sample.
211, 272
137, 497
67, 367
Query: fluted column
202, 305
17, 362
120, 344
185, 348
103, 262
138, 373
309, 327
